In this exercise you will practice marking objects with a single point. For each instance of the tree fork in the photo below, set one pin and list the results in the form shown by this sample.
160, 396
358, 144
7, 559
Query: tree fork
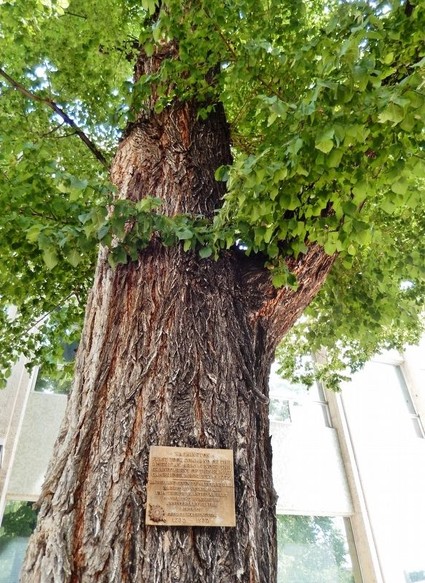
175, 351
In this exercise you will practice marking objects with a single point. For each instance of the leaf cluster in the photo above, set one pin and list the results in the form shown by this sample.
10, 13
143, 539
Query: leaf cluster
325, 102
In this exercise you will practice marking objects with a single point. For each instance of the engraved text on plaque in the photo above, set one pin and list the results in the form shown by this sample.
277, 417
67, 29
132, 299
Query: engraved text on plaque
190, 486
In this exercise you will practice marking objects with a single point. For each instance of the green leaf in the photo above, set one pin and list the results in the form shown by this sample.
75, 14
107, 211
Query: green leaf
289, 201
420, 63
50, 258
148, 204
332, 243
324, 142
334, 159
325, 146
117, 256
73, 257
187, 244
279, 108
295, 146
393, 113
400, 187
419, 169
149, 5
388, 58
364, 237
33, 232
184, 233
149, 49
388, 206
280, 174
78, 184
103, 231
279, 278
205, 252
156, 32
349, 209
222, 174
272, 118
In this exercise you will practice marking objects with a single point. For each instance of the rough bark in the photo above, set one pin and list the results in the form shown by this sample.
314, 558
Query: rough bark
176, 351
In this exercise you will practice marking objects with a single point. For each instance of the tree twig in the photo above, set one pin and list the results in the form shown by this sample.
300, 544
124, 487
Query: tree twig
55, 129
408, 8
74, 14
50, 103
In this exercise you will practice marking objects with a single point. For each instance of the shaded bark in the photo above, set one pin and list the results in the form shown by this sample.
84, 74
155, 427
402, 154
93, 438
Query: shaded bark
176, 351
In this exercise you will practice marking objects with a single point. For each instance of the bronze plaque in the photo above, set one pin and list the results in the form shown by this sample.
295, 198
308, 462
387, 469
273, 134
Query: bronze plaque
190, 487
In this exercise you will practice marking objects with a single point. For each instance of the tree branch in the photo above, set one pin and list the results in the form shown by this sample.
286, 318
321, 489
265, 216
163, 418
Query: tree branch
408, 8
281, 307
50, 103
68, 13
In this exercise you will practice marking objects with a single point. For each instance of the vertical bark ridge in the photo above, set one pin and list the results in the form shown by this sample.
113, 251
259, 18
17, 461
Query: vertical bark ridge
166, 156
143, 393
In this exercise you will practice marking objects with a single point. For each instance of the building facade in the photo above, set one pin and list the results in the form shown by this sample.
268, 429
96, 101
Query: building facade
349, 471
358, 458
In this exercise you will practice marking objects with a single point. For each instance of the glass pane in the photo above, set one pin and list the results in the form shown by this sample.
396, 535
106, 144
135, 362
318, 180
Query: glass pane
280, 411
313, 549
385, 384
12, 553
310, 413
47, 384
295, 403
415, 577
18, 523
282, 388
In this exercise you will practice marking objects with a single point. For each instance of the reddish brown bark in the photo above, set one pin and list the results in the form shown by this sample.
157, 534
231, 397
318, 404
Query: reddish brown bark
176, 351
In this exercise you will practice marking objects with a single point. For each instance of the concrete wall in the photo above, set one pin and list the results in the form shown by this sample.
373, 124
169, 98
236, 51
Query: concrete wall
13, 400
43, 416
29, 423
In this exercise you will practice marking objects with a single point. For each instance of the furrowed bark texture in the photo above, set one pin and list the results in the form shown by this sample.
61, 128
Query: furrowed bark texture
176, 351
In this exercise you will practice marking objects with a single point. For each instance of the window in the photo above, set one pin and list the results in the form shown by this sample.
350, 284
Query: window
52, 385
296, 403
411, 411
387, 392
315, 548
18, 523
415, 577
57, 378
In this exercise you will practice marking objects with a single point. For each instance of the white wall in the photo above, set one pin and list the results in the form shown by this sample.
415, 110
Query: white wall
42, 419
390, 459
308, 471
13, 400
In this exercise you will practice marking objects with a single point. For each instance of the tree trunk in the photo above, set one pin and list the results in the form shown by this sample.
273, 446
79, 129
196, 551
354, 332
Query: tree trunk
176, 351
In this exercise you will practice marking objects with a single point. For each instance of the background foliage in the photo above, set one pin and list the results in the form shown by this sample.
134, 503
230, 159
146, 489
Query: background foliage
312, 547
326, 102
19, 520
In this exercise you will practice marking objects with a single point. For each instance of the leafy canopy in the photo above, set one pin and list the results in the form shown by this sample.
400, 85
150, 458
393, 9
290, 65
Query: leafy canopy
326, 102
